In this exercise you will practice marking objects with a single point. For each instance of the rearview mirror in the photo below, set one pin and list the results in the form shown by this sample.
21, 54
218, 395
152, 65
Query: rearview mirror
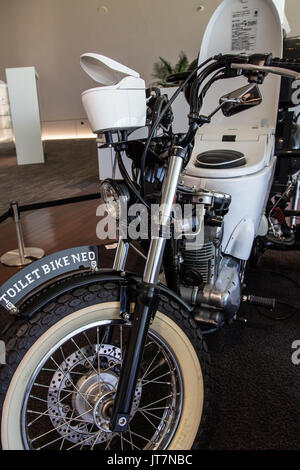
240, 100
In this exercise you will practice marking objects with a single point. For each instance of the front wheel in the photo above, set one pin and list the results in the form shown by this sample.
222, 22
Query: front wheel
63, 368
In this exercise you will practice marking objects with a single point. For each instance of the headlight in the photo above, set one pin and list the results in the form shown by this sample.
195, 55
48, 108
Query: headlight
111, 191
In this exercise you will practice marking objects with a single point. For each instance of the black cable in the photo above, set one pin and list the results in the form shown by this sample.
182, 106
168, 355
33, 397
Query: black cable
161, 100
217, 76
128, 180
216, 66
287, 317
270, 271
46, 204
296, 309
195, 109
58, 202
5, 216
159, 118
190, 135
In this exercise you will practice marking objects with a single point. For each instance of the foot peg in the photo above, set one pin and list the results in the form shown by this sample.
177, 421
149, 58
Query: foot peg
259, 301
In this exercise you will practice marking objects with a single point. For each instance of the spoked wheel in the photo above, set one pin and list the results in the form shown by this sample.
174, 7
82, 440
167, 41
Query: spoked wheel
61, 394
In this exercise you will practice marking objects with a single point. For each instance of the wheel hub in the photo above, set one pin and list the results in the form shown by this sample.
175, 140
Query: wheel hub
103, 410
91, 399
92, 395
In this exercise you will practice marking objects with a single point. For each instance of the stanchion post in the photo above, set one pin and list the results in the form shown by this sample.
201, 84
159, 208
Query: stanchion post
16, 215
22, 255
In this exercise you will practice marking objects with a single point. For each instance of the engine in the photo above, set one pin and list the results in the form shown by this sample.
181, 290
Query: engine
208, 280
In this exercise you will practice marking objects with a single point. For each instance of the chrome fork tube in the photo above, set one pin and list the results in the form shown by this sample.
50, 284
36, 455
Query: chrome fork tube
121, 255
146, 302
157, 245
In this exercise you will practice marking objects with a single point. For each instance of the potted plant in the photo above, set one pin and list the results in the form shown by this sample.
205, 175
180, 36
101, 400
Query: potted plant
163, 68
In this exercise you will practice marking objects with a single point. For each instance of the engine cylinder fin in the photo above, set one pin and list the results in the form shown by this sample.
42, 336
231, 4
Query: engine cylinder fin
199, 260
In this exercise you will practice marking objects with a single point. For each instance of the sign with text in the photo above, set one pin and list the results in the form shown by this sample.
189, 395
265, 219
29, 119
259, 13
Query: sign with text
41, 271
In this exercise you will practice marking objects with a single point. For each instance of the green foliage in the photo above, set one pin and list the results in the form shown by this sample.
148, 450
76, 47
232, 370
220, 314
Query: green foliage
163, 68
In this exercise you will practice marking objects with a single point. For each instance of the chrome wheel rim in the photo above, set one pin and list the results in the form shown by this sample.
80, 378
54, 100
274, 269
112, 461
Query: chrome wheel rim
69, 398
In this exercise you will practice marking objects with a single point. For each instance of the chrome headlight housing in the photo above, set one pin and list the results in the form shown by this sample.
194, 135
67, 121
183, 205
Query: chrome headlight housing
111, 191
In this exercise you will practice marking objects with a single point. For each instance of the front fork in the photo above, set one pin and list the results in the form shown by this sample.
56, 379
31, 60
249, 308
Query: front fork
147, 297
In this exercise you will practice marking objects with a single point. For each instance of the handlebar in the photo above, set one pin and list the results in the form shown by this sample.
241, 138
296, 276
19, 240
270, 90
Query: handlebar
268, 69
222, 66
275, 65
292, 64
255, 67
177, 77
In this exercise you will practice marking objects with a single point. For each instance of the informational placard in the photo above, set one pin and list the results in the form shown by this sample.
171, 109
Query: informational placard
244, 29
45, 269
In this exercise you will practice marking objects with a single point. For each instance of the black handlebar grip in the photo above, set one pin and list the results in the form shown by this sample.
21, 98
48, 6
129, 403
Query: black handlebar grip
292, 64
177, 77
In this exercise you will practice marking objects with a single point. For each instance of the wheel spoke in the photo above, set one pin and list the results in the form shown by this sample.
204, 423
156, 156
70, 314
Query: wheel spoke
157, 401
147, 418
152, 414
89, 362
52, 442
109, 442
63, 441
98, 357
131, 441
66, 422
146, 373
84, 355
54, 370
154, 409
138, 435
70, 379
121, 344
87, 338
49, 416
95, 440
46, 413
83, 441
157, 378
155, 382
54, 389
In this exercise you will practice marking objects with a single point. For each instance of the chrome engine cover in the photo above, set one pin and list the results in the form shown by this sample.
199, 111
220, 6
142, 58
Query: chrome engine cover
225, 293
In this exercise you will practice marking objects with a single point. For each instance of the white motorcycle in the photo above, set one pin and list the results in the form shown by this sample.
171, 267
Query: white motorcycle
108, 360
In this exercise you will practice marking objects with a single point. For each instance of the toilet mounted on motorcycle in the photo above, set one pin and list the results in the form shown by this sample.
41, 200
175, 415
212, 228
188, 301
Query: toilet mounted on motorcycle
110, 360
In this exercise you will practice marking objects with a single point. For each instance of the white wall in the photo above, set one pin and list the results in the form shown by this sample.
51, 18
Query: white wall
51, 35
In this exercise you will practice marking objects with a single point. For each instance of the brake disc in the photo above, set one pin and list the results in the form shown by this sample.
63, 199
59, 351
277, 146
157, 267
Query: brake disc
82, 392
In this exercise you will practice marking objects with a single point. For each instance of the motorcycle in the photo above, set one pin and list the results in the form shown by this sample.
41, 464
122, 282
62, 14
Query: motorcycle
282, 206
108, 360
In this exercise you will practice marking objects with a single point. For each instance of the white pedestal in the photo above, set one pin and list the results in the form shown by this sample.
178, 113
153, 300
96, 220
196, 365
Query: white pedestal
25, 113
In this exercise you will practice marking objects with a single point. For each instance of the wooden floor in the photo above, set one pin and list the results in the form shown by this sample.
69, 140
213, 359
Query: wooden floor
70, 168
52, 229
